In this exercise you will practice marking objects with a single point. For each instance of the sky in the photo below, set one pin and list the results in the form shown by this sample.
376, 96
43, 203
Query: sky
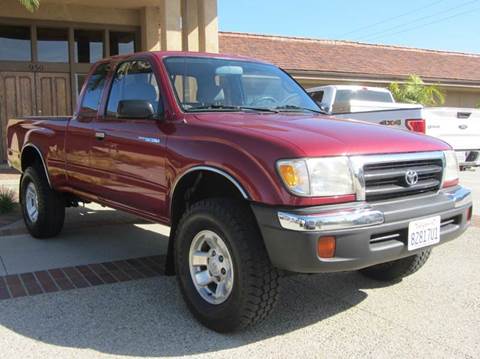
452, 25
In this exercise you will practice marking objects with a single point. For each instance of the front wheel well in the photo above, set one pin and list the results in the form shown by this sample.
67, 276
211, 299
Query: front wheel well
198, 185
194, 187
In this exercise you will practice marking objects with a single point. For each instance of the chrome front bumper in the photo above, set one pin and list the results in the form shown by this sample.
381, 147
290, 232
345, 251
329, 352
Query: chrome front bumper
365, 234
356, 216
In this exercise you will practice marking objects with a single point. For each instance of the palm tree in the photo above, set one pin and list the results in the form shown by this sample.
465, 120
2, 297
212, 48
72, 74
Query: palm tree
414, 90
30, 5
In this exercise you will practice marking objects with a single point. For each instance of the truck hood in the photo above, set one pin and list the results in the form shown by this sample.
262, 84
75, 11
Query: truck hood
319, 135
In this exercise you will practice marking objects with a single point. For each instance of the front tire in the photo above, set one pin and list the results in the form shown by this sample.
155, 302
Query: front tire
223, 269
43, 208
396, 270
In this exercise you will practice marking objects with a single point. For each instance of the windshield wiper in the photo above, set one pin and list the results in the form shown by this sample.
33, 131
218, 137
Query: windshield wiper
260, 109
231, 108
215, 107
294, 108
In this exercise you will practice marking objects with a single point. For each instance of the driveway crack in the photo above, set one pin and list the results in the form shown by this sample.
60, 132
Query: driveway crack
3, 265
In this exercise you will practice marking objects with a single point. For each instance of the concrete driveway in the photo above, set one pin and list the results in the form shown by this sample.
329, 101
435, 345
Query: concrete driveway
434, 313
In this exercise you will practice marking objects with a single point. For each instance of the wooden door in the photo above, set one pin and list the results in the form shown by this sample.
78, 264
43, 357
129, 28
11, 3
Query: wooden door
53, 94
17, 98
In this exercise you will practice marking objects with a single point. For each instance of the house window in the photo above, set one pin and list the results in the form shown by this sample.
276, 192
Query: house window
15, 43
122, 43
88, 46
52, 45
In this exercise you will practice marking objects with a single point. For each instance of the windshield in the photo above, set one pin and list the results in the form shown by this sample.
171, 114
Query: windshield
206, 84
362, 95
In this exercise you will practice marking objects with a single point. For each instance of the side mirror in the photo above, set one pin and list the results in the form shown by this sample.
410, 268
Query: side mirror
135, 109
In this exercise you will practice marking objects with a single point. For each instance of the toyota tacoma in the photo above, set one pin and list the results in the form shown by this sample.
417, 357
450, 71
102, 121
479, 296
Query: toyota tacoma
253, 179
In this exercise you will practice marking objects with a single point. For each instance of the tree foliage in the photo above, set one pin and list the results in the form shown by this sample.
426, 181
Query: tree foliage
414, 90
30, 5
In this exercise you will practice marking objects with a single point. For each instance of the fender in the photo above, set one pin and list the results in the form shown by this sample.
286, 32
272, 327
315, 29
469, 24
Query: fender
41, 157
211, 169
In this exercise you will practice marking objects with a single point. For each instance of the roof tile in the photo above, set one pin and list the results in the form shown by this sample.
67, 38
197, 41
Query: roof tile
305, 54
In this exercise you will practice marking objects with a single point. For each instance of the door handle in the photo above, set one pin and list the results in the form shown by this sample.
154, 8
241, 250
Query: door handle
100, 135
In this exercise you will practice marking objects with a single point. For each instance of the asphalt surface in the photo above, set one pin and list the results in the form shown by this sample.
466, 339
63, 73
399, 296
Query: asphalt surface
434, 313
471, 180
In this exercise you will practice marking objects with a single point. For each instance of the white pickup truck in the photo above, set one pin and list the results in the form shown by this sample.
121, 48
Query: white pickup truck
460, 127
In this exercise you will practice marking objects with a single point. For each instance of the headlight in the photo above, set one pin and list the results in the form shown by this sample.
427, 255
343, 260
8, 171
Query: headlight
317, 177
450, 177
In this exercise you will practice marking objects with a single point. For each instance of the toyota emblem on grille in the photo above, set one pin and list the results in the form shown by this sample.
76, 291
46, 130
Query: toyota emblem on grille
411, 177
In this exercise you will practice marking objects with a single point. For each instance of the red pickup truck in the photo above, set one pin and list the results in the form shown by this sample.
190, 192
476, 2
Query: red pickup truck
252, 178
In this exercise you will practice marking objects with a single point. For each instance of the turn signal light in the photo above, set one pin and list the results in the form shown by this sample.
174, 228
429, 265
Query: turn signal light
289, 175
417, 125
326, 247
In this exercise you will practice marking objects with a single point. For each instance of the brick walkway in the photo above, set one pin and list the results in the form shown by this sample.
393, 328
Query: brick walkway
60, 279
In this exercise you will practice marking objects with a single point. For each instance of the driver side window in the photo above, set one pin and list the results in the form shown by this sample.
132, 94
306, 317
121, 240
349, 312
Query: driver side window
134, 80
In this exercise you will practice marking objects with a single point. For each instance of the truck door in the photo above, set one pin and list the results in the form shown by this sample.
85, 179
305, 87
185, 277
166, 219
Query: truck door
80, 133
129, 152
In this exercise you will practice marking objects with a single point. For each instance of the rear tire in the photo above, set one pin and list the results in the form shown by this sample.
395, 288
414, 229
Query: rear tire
396, 270
252, 284
43, 208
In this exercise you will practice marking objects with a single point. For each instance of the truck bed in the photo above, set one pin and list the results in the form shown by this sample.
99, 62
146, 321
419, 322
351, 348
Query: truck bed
32, 130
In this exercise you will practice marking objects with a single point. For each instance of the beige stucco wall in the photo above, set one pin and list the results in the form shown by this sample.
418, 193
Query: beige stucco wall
71, 12
164, 24
462, 98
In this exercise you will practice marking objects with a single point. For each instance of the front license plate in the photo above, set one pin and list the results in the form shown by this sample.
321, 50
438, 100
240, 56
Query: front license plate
423, 233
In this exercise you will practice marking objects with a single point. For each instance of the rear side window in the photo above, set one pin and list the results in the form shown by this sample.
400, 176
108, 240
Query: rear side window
362, 95
317, 96
134, 80
94, 89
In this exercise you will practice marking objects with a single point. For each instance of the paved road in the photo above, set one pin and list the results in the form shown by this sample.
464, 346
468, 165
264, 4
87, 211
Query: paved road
435, 313
472, 181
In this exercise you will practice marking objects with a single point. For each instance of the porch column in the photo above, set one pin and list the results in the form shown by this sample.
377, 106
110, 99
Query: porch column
151, 28
208, 25
190, 17
171, 24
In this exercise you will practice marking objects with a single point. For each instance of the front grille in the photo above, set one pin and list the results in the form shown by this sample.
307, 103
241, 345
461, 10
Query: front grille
387, 180
401, 235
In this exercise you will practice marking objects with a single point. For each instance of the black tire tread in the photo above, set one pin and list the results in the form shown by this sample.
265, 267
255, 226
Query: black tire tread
51, 205
396, 270
263, 289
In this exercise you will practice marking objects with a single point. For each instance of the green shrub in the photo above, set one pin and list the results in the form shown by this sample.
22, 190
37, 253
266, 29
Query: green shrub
414, 90
7, 200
